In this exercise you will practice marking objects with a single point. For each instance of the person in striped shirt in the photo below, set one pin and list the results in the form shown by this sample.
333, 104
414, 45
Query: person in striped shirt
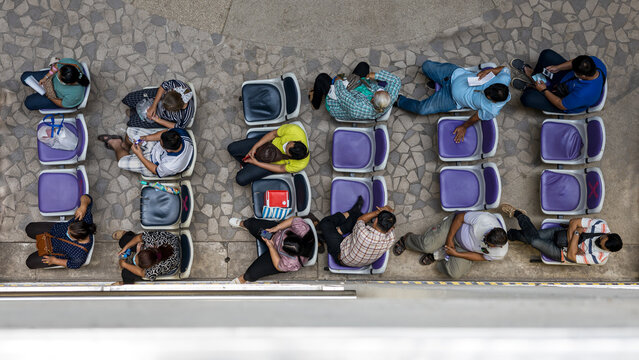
584, 241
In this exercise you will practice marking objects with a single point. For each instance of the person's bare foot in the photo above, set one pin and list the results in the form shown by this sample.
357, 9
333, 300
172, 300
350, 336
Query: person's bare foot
528, 71
115, 144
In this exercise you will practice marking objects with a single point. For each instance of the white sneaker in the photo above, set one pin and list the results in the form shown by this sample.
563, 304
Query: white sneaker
235, 222
235, 281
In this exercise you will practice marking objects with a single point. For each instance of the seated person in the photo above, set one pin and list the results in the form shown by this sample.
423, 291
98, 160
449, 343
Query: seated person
289, 248
457, 241
292, 155
366, 242
584, 241
71, 240
152, 254
64, 83
156, 154
575, 86
173, 106
359, 99
455, 93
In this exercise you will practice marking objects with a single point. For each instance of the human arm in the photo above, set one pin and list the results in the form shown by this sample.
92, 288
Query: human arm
55, 100
485, 72
270, 136
369, 216
460, 131
275, 256
132, 268
561, 67
52, 260
276, 168
81, 211
150, 113
573, 244
472, 256
454, 226
285, 224
137, 239
165, 123
554, 99
137, 150
393, 82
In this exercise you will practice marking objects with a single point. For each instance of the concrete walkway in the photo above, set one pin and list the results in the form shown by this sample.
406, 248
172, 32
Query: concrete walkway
127, 48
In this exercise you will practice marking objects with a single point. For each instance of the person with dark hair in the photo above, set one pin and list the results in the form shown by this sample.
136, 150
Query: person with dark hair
290, 245
147, 255
171, 105
582, 241
288, 149
457, 241
457, 93
65, 83
573, 86
155, 153
365, 243
363, 95
71, 241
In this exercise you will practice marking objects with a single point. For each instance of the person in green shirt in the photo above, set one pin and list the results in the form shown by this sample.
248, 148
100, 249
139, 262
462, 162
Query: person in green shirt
65, 83
289, 139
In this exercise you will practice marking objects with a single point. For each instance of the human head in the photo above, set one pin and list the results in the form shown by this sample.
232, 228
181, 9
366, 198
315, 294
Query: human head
297, 150
81, 230
584, 66
381, 100
151, 256
296, 245
171, 140
70, 74
497, 92
385, 221
496, 237
172, 101
610, 242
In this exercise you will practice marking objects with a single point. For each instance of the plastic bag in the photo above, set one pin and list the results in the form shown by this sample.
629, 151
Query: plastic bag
142, 108
57, 137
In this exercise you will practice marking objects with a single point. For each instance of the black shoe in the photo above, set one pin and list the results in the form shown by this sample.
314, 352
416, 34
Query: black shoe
519, 65
520, 84
358, 204
431, 84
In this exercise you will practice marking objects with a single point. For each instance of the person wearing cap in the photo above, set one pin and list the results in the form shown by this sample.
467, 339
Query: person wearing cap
364, 95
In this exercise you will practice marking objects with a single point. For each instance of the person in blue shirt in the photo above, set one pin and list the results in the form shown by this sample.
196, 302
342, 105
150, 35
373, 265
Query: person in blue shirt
575, 86
72, 240
455, 93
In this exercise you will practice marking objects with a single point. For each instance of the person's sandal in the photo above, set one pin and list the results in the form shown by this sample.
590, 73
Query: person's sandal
427, 259
400, 245
106, 137
236, 223
117, 235
520, 65
510, 210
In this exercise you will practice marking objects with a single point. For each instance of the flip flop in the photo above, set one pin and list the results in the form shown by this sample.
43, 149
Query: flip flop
106, 137
427, 259
117, 235
400, 246
519, 64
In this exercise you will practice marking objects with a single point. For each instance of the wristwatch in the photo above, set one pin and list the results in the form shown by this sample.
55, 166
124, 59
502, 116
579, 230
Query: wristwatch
546, 89
576, 232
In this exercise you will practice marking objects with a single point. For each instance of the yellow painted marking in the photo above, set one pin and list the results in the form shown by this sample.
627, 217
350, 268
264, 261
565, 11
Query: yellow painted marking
505, 283
492, 283
430, 282
418, 282
480, 283
468, 283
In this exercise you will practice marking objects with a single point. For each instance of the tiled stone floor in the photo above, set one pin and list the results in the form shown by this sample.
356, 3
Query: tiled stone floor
127, 48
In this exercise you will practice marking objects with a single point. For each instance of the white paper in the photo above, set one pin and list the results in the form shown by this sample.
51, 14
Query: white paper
474, 81
31, 81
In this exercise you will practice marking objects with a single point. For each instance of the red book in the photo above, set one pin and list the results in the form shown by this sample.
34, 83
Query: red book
276, 198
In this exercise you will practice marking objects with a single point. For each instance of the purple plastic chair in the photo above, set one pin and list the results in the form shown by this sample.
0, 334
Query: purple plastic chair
572, 192
59, 190
479, 142
360, 149
572, 141
468, 188
344, 193
50, 156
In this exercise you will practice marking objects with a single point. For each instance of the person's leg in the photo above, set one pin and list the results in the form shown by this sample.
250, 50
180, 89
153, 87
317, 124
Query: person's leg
438, 72
455, 267
250, 173
328, 227
37, 228
239, 149
547, 58
433, 239
441, 101
118, 147
133, 98
362, 69
534, 99
255, 226
129, 277
261, 267
126, 238
35, 262
38, 75
542, 240
132, 163
37, 102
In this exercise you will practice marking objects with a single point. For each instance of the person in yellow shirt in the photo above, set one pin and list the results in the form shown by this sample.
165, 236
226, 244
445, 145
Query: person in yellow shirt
289, 139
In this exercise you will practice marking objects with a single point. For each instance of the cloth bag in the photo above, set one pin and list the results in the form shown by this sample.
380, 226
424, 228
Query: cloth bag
57, 136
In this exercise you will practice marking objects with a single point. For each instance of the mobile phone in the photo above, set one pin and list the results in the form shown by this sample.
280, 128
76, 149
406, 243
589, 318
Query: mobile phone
267, 235
246, 158
548, 74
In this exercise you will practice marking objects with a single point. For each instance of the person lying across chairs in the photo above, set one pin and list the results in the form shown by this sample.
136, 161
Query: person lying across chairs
64, 83
584, 241
290, 245
147, 255
71, 241
456, 93
457, 241
279, 151
358, 97
366, 242
155, 153
171, 106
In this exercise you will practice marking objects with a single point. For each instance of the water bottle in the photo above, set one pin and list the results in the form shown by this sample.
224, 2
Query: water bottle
126, 254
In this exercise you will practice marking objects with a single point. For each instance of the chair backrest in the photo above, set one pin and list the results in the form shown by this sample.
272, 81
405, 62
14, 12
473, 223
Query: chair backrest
81, 185
381, 146
596, 137
301, 192
82, 141
594, 190
602, 98
379, 192
186, 252
291, 94
186, 203
492, 185
489, 136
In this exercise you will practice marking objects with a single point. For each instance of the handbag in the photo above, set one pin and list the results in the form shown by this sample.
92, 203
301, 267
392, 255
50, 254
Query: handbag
269, 153
45, 247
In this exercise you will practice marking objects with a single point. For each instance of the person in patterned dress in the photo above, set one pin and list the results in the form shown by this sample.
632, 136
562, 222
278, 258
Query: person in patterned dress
153, 254
173, 106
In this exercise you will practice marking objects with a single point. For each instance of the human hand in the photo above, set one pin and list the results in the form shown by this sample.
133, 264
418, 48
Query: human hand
540, 85
580, 252
272, 230
450, 250
50, 260
136, 149
150, 112
371, 76
385, 207
80, 212
483, 73
155, 118
251, 160
553, 69
459, 133
121, 263
269, 242
138, 248
42, 81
